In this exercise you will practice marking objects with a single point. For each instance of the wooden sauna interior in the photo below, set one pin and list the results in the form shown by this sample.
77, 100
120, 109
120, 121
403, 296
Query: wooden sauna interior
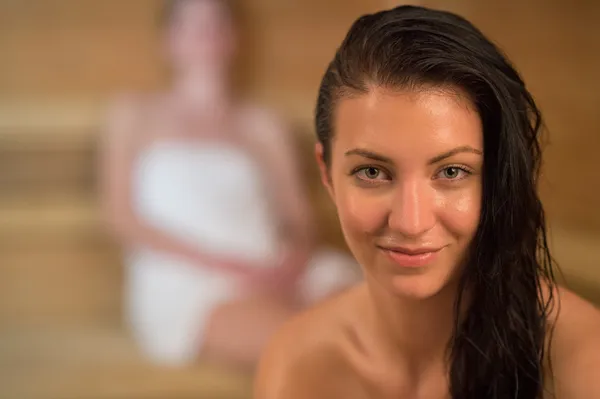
61, 329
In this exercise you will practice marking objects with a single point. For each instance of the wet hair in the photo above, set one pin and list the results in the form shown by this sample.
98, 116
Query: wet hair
170, 7
499, 346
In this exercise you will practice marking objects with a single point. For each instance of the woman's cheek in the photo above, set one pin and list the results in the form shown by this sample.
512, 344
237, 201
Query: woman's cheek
460, 210
361, 211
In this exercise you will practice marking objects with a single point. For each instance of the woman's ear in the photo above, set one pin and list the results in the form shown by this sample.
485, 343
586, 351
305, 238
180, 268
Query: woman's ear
324, 169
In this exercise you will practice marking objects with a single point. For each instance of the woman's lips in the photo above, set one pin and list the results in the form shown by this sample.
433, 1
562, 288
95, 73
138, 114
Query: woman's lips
412, 257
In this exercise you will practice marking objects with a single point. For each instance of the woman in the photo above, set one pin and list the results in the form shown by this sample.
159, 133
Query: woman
428, 145
204, 193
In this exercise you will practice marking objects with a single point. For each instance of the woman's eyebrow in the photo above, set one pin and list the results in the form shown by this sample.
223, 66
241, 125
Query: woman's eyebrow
381, 158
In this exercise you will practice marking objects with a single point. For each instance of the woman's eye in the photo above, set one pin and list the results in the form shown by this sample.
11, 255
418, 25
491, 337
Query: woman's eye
371, 173
453, 173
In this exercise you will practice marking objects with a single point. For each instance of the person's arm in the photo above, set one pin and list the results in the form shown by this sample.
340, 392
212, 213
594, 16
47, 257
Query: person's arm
118, 151
291, 202
576, 349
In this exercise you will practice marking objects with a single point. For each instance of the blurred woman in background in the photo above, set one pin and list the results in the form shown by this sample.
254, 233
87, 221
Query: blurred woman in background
204, 192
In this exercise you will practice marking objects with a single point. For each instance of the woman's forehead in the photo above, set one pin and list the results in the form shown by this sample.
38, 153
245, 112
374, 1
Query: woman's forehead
422, 118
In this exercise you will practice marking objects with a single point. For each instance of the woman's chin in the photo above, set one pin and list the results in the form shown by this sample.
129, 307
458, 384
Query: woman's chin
416, 287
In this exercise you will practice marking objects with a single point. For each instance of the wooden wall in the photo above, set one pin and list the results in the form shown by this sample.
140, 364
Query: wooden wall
63, 59
65, 51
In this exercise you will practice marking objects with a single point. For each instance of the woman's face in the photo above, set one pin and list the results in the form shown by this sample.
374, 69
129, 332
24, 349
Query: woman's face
200, 35
406, 177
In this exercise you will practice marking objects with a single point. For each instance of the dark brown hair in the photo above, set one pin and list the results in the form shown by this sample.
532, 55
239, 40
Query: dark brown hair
498, 349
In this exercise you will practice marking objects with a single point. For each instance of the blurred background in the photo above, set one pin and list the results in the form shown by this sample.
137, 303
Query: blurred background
61, 328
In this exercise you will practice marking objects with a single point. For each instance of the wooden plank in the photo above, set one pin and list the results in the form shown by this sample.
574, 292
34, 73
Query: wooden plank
84, 46
60, 286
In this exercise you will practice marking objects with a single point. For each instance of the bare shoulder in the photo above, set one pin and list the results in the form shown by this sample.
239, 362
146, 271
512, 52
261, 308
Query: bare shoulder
306, 359
576, 347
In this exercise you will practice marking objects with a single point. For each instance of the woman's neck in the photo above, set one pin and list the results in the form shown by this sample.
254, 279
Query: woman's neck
415, 333
202, 91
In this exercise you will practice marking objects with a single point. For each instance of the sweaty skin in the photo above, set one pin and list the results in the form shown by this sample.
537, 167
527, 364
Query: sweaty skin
405, 176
